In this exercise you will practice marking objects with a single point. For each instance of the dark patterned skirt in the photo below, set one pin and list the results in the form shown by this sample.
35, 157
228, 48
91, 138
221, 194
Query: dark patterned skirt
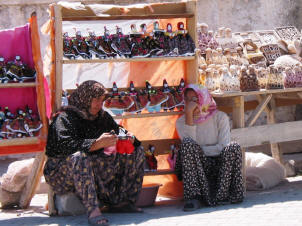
212, 180
97, 179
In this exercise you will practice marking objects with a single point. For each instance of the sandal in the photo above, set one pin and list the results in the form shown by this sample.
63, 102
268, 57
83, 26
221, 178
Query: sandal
128, 208
98, 220
191, 205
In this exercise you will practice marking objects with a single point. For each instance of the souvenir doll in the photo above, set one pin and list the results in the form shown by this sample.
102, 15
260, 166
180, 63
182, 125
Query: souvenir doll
150, 158
68, 49
170, 103
105, 44
186, 46
137, 45
156, 98
170, 45
172, 156
81, 46
3, 76
120, 43
248, 79
275, 78
178, 95
118, 102
93, 44
140, 101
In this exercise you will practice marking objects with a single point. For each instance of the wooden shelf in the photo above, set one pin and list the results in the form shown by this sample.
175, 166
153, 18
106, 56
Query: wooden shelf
91, 61
262, 91
159, 172
146, 115
128, 17
17, 85
19, 141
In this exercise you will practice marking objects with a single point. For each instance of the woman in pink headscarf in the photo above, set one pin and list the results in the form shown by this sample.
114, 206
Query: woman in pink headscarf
207, 162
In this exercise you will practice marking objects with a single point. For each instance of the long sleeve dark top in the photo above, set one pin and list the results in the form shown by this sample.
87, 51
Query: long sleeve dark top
69, 133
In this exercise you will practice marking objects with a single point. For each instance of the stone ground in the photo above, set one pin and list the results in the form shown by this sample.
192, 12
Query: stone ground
279, 206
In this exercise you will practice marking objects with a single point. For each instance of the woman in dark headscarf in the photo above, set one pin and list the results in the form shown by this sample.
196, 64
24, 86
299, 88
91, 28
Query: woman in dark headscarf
209, 164
81, 158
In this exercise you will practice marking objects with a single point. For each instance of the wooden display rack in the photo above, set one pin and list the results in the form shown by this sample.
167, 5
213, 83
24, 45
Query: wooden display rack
186, 10
31, 144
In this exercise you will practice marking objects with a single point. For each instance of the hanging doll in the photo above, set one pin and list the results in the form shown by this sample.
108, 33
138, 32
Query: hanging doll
137, 45
81, 46
140, 101
93, 45
118, 102
150, 158
186, 45
68, 50
158, 40
178, 95
170, 104
120, 43
156, 98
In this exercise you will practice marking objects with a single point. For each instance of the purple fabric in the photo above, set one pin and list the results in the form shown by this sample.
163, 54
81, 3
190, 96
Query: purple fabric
207, 104
16, 41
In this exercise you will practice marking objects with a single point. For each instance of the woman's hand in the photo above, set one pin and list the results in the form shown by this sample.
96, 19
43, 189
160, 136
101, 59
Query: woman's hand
189, 110
131, 137
104, 141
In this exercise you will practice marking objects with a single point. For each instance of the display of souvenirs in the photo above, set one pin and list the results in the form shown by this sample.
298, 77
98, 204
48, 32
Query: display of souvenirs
170, 104
229, 82
271, 52
275, 78
291, 80
228, 41
151, 161
140, 101
156, 98
16, 71
81, 47
288, 33
252, 52
205, 38
248, 79
186, 45
117, 102
19, 125
262, 75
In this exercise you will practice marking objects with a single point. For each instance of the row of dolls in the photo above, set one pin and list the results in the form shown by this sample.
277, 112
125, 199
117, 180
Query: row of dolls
222, 57
15, 71
207, 39
158, 43
24, 123
165, 98
251, 78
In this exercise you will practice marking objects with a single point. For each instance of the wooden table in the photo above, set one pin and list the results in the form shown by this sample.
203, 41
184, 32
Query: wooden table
273, 133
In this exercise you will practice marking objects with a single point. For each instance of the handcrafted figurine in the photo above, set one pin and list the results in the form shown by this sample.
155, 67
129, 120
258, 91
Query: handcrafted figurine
262, 75
3, 75
140, 101
248, 79
186, 45
105, 44
94, 44
150, 158
68, 49
178, 95
156, 98
19, 72
81, 47
275, 78
137, 45
118, 102
120, 43
290, 80
228, 82
229, 41
172, 156
171, 48
170, 103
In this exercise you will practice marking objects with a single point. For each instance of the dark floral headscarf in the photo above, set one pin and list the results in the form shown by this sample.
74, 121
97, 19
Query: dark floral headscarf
82, 97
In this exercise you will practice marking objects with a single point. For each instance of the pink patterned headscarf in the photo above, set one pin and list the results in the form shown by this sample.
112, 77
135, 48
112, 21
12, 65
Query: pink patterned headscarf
207, 104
